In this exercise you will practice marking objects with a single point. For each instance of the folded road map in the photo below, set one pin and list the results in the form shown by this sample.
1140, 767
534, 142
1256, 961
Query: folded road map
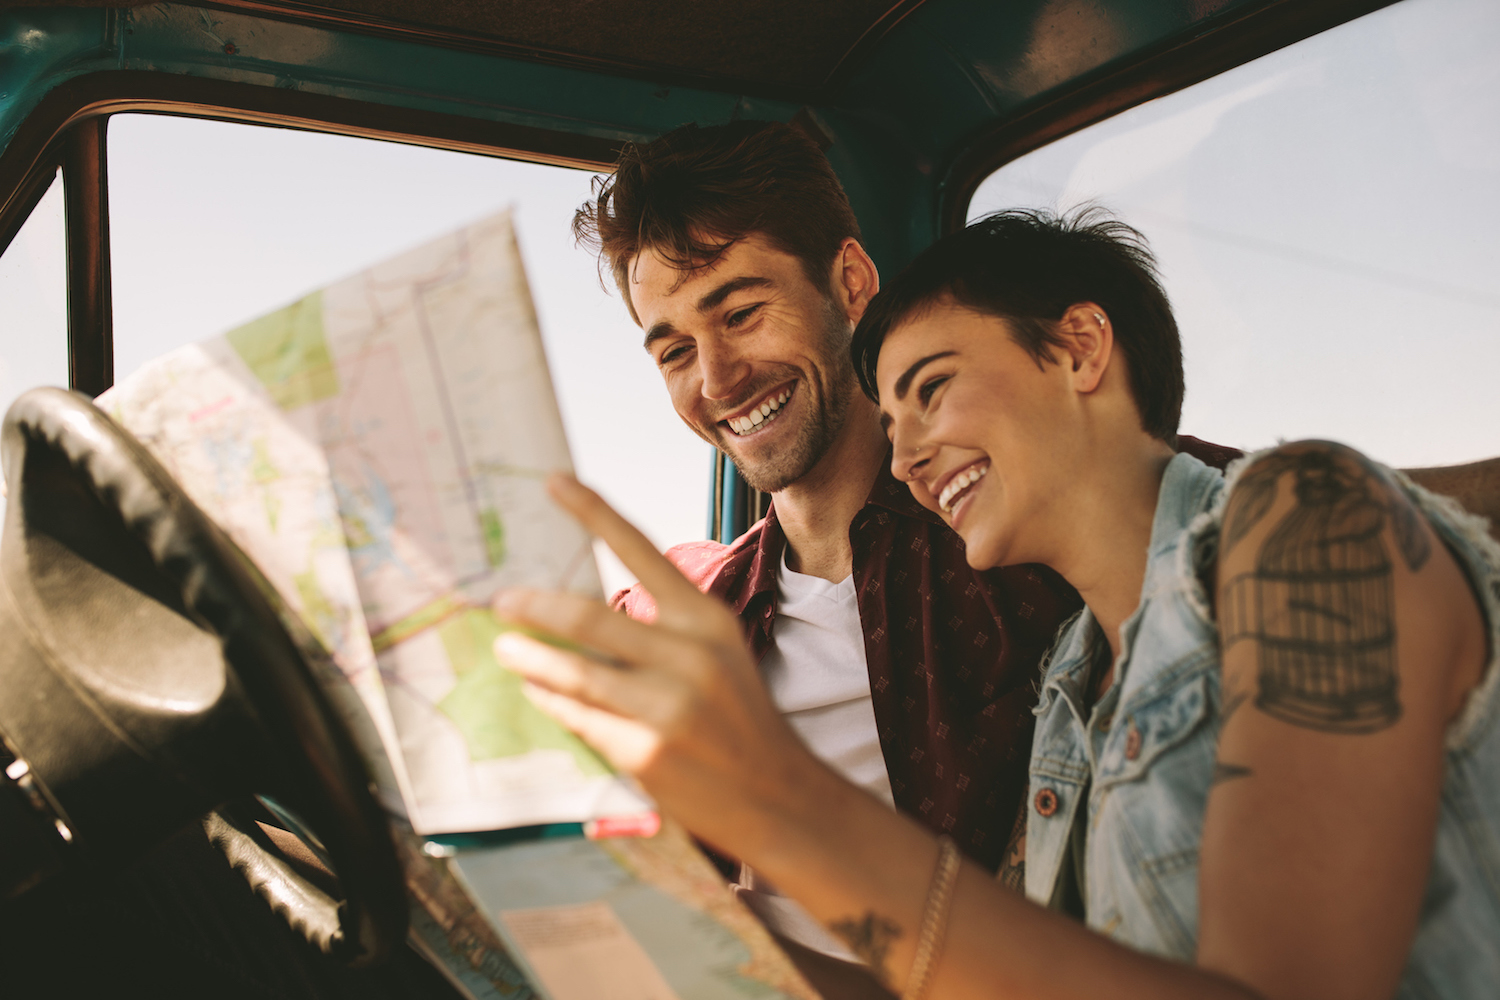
379, 449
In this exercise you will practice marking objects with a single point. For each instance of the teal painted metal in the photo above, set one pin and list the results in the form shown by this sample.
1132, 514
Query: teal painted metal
45, 47
948, 71
952, 69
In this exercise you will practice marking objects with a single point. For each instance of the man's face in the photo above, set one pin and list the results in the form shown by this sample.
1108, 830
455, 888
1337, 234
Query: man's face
755, 356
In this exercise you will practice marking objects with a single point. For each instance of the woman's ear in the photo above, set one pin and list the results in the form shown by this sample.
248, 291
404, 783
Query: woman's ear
1089, 339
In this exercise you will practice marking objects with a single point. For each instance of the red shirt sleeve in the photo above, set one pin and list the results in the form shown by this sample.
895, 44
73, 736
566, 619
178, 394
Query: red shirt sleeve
700, 562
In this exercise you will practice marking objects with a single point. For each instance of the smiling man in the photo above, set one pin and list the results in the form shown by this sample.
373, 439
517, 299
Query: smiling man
738, 254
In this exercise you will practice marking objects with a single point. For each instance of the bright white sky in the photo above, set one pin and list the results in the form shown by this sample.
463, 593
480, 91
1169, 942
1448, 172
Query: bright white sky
1328, 224
1327, 220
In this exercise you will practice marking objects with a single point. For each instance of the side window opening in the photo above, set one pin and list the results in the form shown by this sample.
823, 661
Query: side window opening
1327, 229
33, 288
214, 223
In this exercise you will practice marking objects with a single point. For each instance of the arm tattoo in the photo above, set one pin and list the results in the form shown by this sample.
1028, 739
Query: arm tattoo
1234, 699
1320, 601
1406, 523
1253, 496
869, 937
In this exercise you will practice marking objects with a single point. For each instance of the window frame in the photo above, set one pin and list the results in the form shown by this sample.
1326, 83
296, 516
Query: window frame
68, 129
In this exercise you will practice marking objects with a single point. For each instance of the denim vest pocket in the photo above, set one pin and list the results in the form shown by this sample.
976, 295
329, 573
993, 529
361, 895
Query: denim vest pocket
1150, 795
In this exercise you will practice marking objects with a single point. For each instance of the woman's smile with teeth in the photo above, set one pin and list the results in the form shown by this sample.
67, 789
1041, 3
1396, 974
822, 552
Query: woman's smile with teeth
761, 415
960, 484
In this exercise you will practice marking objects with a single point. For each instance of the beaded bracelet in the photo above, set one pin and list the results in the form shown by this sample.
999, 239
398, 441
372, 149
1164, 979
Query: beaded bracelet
934, 920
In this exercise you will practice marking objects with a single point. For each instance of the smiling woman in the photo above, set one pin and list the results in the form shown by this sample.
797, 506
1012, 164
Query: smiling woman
1002, 328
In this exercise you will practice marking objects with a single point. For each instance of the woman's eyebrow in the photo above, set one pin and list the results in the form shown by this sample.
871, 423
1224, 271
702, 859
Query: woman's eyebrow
904, 382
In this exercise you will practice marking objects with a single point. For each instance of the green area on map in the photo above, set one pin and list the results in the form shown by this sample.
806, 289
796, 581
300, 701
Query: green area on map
487, 704
287, 353
494, 535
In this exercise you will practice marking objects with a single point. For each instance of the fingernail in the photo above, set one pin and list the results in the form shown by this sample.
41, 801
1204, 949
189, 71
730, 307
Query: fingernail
509, 646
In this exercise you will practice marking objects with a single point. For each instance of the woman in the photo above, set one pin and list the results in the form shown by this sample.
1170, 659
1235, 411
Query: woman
1267, 762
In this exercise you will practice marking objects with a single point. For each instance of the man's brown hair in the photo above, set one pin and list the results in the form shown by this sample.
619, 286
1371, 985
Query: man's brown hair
694, 192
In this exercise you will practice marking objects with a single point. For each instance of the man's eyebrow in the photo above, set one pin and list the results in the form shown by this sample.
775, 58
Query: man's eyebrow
710, 301
714, 298
658, 331
904, 382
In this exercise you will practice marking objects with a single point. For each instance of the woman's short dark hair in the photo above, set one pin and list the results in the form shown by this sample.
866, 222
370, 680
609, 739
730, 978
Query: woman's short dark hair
1028, 267
694, 192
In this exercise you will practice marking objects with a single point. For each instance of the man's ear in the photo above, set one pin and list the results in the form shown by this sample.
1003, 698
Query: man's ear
854, 280
1089, 341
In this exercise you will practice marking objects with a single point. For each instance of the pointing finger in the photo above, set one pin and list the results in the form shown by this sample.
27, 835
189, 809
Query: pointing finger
635, 550
678, 602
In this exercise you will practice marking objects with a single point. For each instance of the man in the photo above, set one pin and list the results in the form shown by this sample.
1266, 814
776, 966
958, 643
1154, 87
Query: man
737, 253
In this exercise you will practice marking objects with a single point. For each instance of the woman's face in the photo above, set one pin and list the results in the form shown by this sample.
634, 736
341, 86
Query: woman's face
980, 430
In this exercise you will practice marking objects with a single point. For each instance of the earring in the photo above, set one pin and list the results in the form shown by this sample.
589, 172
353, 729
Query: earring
1098, 319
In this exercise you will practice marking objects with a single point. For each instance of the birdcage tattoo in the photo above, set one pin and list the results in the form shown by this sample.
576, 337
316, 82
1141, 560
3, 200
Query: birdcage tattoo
1320, 605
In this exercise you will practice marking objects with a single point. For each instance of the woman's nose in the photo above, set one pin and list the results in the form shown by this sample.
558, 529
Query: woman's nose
909, 455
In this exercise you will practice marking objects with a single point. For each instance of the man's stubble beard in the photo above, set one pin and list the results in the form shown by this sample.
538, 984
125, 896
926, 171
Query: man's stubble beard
823, 424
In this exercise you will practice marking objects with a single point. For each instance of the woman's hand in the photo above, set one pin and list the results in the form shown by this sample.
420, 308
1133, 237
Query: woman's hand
678, 704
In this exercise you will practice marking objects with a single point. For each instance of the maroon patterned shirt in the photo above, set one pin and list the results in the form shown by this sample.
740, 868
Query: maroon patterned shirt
953, 653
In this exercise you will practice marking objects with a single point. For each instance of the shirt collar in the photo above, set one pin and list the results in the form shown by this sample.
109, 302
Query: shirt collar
1188, 487
887, 493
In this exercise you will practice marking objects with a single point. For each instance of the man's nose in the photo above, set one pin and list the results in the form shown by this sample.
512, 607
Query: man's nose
722, 368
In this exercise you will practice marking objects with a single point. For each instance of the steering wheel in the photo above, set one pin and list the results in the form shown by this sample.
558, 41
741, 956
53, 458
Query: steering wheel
147, 678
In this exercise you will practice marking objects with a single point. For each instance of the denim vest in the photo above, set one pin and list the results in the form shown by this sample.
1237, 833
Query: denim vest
1144, 756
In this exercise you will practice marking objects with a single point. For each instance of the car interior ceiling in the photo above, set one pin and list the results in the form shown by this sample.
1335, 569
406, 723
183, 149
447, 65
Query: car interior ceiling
776, 45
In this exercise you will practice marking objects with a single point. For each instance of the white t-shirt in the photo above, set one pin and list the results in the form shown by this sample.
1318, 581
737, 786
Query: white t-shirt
818, 678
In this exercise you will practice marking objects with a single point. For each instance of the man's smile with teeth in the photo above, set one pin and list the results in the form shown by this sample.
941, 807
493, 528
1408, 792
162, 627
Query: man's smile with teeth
959, 485
767, 411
